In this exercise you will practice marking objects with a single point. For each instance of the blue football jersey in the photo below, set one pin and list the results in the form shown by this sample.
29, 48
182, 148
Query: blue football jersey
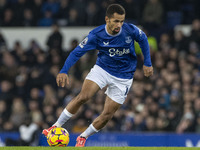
116, 52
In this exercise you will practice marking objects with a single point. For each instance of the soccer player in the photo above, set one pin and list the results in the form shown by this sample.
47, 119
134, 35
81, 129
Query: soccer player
114, 68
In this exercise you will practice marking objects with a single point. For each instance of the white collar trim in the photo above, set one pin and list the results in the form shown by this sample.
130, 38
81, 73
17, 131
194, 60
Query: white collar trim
111, 34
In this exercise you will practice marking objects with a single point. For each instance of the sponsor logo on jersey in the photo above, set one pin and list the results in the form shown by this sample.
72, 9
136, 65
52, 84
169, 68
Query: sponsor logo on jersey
117, 52
84, 42
128, 39
105, 43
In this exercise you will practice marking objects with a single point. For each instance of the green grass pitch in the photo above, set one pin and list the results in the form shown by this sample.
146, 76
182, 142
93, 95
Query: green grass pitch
98, 148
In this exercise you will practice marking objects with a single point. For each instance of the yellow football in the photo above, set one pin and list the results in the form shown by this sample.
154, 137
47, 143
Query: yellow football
58, 137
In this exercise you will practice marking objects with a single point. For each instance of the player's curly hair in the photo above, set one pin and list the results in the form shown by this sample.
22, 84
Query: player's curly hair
115, 8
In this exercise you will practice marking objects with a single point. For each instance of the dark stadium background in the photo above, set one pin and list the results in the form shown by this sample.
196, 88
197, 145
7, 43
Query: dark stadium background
159, 110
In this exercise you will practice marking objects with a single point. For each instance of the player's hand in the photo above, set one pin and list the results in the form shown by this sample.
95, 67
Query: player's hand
62, 79
148, 71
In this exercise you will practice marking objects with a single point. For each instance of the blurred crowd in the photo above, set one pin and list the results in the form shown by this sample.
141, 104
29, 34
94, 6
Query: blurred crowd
168, 101
149, 13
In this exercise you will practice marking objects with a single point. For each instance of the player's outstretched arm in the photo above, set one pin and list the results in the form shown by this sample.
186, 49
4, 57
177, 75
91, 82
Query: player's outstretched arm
62, 79
148, 71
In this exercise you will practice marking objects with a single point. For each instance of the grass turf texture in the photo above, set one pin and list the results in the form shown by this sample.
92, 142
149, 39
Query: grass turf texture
99, 148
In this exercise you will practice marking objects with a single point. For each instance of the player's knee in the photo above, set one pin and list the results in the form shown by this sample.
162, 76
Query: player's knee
82, 98
107, 116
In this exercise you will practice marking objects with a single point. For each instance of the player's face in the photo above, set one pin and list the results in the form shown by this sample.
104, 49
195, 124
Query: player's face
114, 23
